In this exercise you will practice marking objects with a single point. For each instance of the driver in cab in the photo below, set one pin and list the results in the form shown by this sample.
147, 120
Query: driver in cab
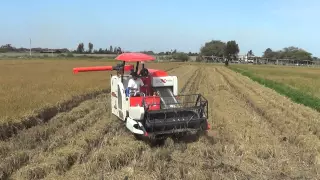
134, 85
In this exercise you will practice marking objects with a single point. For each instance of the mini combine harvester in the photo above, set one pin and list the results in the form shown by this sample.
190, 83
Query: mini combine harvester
159, 110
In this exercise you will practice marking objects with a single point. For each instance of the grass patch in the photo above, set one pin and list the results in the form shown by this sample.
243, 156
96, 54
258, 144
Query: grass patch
283, 89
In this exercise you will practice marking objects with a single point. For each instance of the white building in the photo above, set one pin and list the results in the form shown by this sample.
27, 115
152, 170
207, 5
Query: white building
243, 58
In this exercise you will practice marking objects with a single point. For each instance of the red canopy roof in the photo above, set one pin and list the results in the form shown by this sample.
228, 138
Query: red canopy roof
134, 57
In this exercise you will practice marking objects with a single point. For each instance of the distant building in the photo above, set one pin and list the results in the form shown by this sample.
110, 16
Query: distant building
243, 58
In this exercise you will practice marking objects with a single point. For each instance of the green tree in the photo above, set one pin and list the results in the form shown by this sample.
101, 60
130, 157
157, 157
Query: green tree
90, 46
213, 48
80, 48
180, 56
110, 49
296, 53
231, 49
174, 51
250, 53
290, 52
268, 53
119, 51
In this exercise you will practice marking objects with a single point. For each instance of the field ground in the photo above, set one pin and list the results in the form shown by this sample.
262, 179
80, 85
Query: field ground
305, 79
301, 85
256, 134
27, 85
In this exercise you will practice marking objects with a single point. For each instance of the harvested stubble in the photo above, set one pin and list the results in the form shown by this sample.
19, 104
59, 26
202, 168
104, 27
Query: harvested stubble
42, 141
252, 138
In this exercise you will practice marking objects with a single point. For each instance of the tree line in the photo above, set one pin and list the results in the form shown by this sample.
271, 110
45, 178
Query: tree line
290, 52
230, 50
111, 50
227, 50
9, 48
118, 50
173, 54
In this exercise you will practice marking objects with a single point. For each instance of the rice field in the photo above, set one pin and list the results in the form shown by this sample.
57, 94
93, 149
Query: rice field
29, 85
255, 132
305, 79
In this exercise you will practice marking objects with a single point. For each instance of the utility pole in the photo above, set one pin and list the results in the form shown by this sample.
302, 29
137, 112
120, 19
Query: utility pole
30, 46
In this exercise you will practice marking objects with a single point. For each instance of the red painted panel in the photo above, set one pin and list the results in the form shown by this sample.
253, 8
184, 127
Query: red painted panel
153, 102
135, 101
99, 68
134, 57
157, 73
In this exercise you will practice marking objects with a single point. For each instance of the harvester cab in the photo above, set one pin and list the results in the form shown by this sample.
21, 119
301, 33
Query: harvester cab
158, 109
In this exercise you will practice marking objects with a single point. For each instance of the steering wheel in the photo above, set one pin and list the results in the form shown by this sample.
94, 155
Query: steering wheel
144, 72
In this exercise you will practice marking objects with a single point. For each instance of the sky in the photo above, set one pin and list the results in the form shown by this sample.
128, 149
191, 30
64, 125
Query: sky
162, 25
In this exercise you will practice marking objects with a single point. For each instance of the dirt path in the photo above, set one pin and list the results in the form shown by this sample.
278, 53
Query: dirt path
255, 133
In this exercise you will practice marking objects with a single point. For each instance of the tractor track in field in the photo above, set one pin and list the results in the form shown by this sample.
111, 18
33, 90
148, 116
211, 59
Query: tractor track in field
294, 120
306, 117
256, 121
251, 138
191, 81
35, 144
289, 145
